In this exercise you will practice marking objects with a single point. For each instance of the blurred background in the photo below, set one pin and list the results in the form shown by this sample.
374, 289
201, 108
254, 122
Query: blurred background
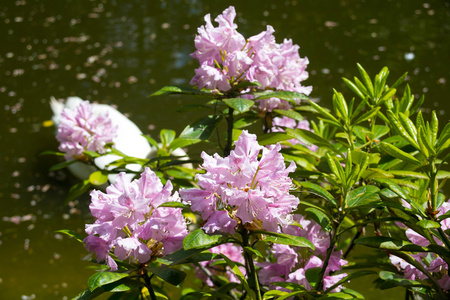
119, 52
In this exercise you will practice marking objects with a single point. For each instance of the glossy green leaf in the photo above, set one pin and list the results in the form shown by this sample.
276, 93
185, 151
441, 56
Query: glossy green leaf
91, 154
62, 165
102, 278
408, 174
180, 143
201, 129
174, 204
285, 239
399, 81
235, 268
98, 178
426, 138
290, 114
362, 196
88, 295
179, 89
444, 138
52, 153
400, 129
320, 217
397, 153
340, 105
72, 234
170, 275
397, 280
311, 138
354, 88
240, 105
292, 97
77, 190
253, 251
199, 239
388, 243
427, 224
371, 113
323, 112
350, 277
273, 138
167, 136
317, 190
366, 79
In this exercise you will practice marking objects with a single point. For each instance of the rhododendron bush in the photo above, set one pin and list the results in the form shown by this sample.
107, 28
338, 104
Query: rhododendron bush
282, 195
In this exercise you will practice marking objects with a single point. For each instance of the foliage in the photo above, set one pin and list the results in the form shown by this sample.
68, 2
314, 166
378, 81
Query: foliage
369, 173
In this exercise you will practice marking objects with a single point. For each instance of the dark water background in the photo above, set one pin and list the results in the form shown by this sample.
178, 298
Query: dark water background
117, 52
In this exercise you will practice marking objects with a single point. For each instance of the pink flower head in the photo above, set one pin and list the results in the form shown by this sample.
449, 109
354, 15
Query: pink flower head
130, 220
80, 130
243, 188
225, 57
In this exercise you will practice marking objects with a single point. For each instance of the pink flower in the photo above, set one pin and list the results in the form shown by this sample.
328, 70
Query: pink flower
81, 130
243, 187
131, 222
225, 58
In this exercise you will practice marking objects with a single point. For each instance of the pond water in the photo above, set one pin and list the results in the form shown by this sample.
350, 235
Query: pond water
118, 52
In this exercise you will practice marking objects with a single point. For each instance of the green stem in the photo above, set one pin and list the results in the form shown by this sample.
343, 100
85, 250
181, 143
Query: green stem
148, 285
250, 266
230, 122
319, 285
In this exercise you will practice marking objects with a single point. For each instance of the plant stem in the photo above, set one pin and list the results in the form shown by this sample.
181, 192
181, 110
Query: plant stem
352, 244
319, 285
230, 122
148, 284
252, 276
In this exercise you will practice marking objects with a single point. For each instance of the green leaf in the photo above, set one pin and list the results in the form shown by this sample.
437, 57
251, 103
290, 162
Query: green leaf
311, 138
285, 239
98, 178
179, 89
199, 239
408, 174
201, 129
317, 190
77, 190
240, 105
239, 275
253, 252
170, 275
354, 88
388, 243
174, 204
444, 138
88, 295
324, 112
62, 165
52, 153
283, 95
91, 154
397, 153
351, 276
366, 79
102, 278
180, 143
273, 293
290, 114
273, 138
401, 130
312, 275
362, 196
427, 224
72, 234
151, 141
397, 280
367, 115
167, 136
320, 217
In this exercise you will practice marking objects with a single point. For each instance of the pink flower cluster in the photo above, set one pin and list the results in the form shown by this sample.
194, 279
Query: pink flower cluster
226, 57
431, 262
278, 124
292, 262
130, 224
243, 188
80, 130
234, 253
